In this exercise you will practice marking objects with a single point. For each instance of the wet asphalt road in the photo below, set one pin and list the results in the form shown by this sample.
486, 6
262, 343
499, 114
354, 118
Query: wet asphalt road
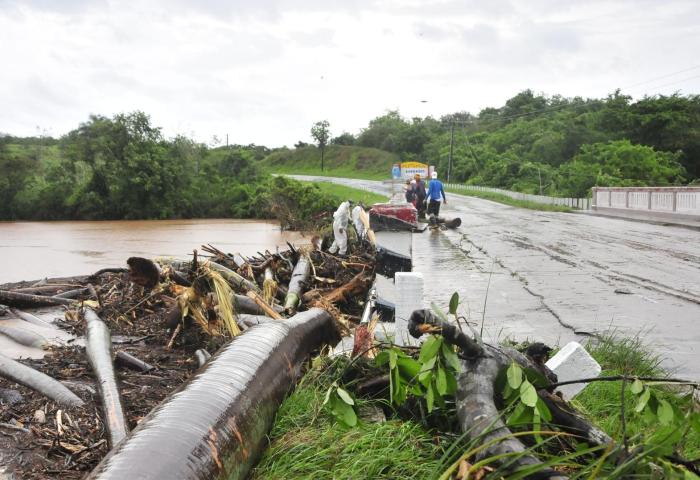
555, 277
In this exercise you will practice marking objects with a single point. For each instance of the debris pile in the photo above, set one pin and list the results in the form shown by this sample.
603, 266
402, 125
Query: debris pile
140, 333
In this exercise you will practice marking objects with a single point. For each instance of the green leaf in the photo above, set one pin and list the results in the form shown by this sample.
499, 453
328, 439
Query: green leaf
328, 394
392, 359
430, 398
637, 387
451, 383
454, 303
344, 413
428, 365
520, 416
430, 348
515, 376
643, 400
528, 394
451, 357
665, 412
382, 358
425, 378
543, 410
345, 396
408, 367
441, 381
695, 421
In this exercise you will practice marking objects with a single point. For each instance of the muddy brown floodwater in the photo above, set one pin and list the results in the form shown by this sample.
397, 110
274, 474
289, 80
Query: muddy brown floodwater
34, 250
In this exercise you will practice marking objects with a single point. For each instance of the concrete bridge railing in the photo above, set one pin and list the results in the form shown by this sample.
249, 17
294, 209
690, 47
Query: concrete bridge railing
661, 202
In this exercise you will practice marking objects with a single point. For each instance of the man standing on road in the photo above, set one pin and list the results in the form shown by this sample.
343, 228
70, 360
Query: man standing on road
436, 194
420, 195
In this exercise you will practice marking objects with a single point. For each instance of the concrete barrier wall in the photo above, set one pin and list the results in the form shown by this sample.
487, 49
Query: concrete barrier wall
682, 202
577, 203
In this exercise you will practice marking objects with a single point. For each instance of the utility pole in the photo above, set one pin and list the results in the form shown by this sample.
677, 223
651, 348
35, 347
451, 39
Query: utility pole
227, 140
449, 160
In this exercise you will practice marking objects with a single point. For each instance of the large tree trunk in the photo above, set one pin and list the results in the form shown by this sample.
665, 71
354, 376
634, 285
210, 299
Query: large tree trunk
99, 352
215, 426
34, 379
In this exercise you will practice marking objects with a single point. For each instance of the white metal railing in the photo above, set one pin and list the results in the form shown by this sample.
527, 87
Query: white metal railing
577, 203
665, 200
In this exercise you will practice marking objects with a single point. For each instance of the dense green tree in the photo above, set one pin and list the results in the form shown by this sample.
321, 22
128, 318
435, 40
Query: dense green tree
344, 138
321, 133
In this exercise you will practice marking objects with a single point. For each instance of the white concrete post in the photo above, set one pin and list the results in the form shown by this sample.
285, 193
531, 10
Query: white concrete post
409, 295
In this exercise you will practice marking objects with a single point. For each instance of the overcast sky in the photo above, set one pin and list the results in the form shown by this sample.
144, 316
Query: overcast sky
263, 71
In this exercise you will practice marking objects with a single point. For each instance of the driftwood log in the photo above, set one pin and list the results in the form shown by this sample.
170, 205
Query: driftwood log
298, 284
16, 299
475, 400
128, 360
99, 352
24, 337
28, 317
34, 379
243, 304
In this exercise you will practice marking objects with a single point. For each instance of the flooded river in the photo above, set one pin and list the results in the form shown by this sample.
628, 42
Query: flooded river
34, 250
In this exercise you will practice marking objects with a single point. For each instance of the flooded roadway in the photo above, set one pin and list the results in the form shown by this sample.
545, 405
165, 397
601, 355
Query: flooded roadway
556, 276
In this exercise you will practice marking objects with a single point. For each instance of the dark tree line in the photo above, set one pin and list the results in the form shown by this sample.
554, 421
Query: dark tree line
557, 145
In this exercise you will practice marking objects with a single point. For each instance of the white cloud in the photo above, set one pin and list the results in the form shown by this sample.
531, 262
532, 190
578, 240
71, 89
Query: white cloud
265, 71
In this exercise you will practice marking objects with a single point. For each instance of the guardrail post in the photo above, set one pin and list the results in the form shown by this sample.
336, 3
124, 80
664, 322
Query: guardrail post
627, 199
675, 194
649, 199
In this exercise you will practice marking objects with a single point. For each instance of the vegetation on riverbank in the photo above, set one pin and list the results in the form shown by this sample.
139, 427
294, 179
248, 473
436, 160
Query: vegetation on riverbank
306, 442
339, 161
505, 199
123, 167
341, 193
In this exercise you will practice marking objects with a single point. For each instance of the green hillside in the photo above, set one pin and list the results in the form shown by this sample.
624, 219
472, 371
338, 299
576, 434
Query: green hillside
339, 161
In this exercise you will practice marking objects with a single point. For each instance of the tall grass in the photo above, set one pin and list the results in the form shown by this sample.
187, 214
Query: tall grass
505, 199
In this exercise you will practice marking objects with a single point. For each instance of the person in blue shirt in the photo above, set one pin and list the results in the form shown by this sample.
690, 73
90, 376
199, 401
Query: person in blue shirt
436, 194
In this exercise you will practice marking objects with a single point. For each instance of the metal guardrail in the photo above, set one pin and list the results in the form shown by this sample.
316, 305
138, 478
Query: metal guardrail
676, 201
577, 203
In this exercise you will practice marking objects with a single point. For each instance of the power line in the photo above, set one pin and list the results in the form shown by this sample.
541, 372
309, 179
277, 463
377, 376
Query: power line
662, 77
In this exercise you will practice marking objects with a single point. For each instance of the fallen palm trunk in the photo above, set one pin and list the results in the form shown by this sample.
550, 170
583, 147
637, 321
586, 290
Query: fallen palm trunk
28, 317
247, 321
34, 379
15, 299
98, 349
297, 285
72, 293
24, 337
235, 279
244, 304
195, 434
